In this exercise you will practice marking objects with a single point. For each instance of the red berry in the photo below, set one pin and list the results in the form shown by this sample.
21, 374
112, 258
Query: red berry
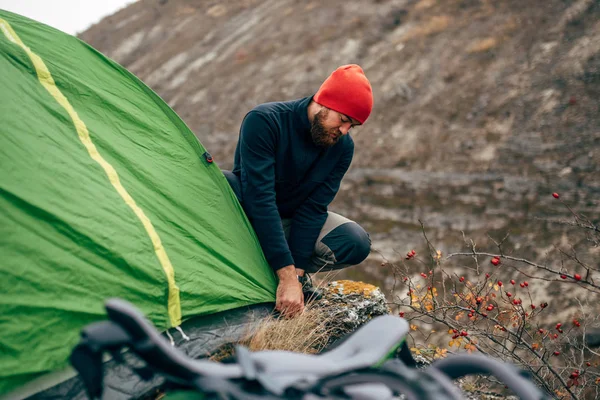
499, 283
556, 353
512, 282
470, 315
479, 300
484, 314
576, 323
544, 305
516, 302
555, 195
533, 306
558, 325
412, 253
526, 283
577, 277
487, 276
464, 333
495, 261
572, 100
462, 279
405, 278
556, 336
423, 274
490, 307
563, 277
401, 314
455, 336
455, 330
588, 364
508, 294
522, 285
541, 331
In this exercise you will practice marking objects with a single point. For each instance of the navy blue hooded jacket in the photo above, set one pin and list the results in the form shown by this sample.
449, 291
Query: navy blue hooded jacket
284, 174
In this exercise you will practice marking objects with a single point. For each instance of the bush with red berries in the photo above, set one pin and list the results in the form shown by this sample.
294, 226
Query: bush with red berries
500, 307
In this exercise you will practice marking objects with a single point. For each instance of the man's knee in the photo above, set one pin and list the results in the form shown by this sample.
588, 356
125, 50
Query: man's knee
349, 242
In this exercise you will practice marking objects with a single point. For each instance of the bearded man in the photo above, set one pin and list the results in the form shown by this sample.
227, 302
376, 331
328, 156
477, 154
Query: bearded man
290, 159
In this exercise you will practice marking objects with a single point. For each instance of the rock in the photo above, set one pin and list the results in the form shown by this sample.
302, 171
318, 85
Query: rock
349, 304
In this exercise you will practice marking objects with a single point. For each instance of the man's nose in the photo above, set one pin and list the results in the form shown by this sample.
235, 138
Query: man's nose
345, 128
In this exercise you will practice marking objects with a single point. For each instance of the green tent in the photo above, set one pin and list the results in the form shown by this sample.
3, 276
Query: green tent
104, 192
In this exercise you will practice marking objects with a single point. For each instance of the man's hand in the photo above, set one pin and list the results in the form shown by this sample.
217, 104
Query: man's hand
290, 300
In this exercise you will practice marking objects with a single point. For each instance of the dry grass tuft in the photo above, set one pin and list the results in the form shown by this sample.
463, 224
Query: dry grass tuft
306, 333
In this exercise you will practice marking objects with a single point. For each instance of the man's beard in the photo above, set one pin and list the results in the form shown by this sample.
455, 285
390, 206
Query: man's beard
320, 135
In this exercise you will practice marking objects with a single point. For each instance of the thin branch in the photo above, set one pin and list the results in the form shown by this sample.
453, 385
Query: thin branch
525, 261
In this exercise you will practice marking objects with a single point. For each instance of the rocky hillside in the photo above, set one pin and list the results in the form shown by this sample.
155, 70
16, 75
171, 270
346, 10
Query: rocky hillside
482, 107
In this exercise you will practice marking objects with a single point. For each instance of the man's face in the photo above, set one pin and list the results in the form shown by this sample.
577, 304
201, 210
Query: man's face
328, 126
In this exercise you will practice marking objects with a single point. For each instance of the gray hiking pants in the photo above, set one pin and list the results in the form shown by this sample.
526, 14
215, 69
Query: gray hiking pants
340, 244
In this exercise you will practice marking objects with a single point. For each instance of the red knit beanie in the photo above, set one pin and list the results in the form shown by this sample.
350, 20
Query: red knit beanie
348, 91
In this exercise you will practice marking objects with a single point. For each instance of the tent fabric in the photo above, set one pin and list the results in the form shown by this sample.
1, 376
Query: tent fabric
104, 192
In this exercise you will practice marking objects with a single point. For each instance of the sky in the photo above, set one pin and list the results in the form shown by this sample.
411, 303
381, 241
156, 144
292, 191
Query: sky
70, 16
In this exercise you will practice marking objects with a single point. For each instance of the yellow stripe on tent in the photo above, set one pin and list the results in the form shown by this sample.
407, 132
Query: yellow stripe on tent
45, 78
